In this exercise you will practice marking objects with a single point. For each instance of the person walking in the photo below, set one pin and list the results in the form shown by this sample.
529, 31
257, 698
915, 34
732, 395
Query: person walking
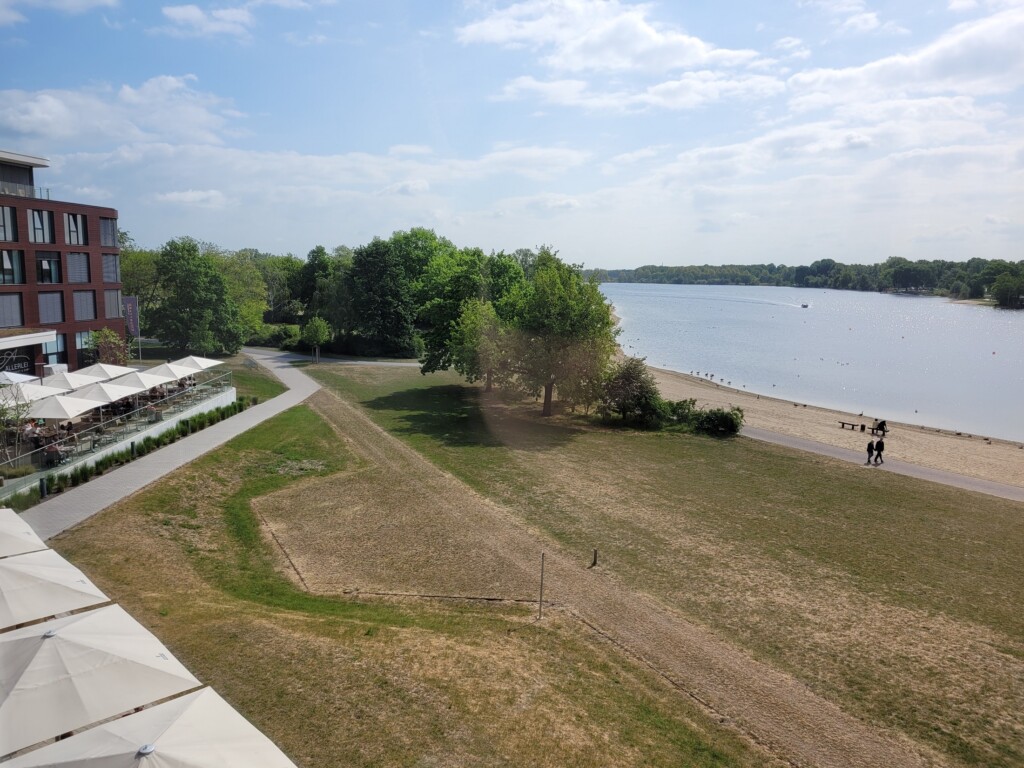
871, 451
879, 447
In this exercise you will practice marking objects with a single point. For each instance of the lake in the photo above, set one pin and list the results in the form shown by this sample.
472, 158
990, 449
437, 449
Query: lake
920, 360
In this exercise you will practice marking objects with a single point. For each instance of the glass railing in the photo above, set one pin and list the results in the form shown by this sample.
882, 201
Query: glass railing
24, 460
24, 190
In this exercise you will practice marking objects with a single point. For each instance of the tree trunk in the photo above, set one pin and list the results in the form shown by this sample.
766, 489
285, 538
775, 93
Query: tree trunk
548, 389
487, 382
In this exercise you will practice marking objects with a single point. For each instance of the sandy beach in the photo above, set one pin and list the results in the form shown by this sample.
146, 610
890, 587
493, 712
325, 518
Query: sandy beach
970, 455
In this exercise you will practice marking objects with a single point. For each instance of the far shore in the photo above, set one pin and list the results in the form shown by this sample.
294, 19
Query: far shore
991, 459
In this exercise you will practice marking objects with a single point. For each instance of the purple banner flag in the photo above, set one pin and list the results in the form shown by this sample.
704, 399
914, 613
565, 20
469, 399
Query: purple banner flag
131, 314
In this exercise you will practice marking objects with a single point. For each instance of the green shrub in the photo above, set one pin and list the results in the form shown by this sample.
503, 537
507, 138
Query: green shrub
10, 473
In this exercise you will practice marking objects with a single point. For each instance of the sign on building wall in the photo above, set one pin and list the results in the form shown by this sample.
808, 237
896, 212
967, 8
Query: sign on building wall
131, 315
19, 360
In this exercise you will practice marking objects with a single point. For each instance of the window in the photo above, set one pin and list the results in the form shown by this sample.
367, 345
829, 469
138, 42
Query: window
51, 307
112, 302
74, 229
47, 267
40, 226
8, 230
12, 267
85, 305
78, 267
53, 351
10, 310
111, 268
85, 354
108, 233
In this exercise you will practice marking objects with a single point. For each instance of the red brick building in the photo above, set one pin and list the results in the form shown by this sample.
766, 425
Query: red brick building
60, 272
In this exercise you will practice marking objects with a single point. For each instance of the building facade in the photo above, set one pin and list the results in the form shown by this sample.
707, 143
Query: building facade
60, 272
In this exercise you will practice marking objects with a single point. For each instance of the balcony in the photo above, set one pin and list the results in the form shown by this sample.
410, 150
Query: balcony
24, 190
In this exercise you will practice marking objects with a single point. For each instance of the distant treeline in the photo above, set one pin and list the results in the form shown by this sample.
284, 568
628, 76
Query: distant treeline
1003, 281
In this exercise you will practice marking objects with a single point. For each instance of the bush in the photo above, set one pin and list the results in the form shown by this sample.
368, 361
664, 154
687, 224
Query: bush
283, 336
10, 473
631, 392
719, 421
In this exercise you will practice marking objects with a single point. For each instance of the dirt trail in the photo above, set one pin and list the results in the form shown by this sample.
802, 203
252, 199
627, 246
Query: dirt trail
433, 534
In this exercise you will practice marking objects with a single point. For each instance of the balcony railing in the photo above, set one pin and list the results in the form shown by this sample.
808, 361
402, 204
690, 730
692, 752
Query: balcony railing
24, 190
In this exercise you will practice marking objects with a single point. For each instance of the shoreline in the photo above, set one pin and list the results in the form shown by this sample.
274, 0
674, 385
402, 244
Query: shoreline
992, 459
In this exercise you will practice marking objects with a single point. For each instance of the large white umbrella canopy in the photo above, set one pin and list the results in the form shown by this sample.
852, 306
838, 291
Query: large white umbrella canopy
66, 673
197, 363
75, 380
61, 407
107, 392
37, 585
198, 730
143, 379
17, 536
105, 370
19, 394
10, 377
170, 369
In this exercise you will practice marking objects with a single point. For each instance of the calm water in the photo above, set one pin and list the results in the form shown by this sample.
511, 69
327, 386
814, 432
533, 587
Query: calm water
913, 359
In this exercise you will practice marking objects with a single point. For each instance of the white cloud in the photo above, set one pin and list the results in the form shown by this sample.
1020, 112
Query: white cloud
975, 58
206, 198
9, 13
193, 21
597, 36
165, 108
410, 187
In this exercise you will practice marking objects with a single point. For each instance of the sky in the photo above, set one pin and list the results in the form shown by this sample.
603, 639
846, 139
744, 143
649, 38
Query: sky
618, 133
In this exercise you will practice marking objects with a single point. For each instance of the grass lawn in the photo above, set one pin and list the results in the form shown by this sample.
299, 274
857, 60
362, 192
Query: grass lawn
896, 598
344, 681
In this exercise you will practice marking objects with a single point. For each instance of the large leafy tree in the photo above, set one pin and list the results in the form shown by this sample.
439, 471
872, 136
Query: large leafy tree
139, 277
450, 280
382, 308
196, 312
479, 344
563, 328
245, 287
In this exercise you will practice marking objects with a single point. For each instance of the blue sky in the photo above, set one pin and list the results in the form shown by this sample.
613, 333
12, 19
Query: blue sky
619, 133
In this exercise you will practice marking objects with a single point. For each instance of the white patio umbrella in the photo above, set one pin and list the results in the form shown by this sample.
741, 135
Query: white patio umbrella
17, 536
66, 673
40, 584
107, 392
74, 380
61, 407
197, 363
19, 394
170, 369
143, 379
10, 377
105, 370
198, 730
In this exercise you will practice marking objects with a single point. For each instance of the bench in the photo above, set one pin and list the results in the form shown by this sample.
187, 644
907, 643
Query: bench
851, 425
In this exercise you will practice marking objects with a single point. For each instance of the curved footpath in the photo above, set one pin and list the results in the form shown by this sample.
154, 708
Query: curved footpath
68, 509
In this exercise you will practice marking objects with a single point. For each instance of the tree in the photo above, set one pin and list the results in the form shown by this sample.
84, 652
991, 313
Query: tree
451, 279
381, 301
196, 313
1008, 290
108, 347
245, 288
631, 391
316, 333
556, 316
478, 344
139, 278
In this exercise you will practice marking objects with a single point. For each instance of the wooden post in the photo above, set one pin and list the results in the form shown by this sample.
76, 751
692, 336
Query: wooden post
593, 563
540, 603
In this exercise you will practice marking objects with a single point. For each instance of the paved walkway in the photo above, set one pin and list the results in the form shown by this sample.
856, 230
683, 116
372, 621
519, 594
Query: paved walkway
68, 509
1002, 490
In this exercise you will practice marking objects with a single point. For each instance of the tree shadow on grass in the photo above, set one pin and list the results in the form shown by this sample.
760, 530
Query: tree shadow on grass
462, 417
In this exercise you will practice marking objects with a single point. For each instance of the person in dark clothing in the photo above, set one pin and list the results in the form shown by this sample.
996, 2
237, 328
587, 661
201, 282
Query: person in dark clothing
879, 447
871, 451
